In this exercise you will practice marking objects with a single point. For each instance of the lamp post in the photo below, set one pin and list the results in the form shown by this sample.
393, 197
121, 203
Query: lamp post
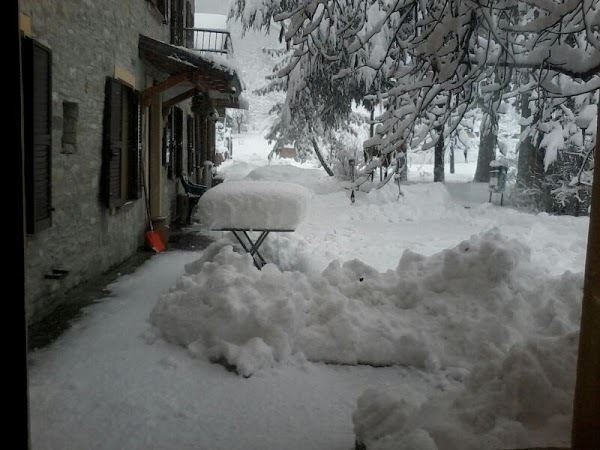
352, 163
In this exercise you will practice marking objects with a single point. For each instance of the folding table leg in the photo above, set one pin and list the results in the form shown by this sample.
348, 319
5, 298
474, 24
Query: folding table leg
257, 244
253, 249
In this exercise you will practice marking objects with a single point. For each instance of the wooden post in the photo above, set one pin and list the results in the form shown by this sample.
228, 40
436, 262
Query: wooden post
155, 157
585, 433
18, 423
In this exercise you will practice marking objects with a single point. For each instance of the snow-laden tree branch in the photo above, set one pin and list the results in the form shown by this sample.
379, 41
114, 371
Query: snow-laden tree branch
413, 55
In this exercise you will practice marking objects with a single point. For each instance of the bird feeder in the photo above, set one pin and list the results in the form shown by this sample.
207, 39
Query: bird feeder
497, 183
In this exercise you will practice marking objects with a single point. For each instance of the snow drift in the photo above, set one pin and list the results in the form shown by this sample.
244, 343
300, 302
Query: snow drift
463, 305
254, 205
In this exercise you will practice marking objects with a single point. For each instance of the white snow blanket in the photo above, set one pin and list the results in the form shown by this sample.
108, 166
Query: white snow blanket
520, 399
447, 310
254, 205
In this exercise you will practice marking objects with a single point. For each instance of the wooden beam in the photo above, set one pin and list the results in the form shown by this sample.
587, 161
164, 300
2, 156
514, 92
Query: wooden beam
206, 83
173, 80
177, 99
226, 103
585, 432
199, 81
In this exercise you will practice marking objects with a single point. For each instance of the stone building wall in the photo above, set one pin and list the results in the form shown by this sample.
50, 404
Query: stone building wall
89, 40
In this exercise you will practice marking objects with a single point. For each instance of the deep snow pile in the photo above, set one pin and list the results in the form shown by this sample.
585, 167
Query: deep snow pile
314, 179
450, 310
497, 314
254, 205
518, 400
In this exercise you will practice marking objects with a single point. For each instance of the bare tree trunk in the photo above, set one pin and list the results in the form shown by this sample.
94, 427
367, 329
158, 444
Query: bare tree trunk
487, 153
530, 163
403, 162
525, 147
488, 136
371, 133
438, 160
320, 156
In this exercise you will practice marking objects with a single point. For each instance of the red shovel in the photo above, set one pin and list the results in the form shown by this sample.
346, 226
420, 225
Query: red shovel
154, 239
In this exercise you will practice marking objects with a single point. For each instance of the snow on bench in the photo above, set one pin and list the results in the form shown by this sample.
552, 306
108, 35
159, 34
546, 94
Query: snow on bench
254, 206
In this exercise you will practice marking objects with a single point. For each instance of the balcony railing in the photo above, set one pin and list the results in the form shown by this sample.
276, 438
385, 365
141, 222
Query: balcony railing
209, 40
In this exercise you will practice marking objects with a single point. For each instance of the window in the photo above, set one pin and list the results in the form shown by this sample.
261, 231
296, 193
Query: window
173, 143
121, 158
178, 140
189, 23
167, 144
191, 151
37, 114
177, 20
161, 7
70, 120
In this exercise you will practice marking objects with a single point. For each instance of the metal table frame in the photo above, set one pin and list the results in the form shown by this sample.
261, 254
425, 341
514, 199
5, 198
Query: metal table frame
252, 247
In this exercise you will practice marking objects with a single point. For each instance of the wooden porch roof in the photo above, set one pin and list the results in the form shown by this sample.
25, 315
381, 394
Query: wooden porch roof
184, 73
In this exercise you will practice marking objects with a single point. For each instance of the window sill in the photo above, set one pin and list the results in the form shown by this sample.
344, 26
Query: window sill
124, 207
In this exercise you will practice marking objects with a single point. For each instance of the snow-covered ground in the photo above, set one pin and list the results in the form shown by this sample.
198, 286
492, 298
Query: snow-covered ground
471, 307
426, 320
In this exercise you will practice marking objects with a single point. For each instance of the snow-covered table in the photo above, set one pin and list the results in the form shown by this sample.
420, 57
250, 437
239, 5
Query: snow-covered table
254, 206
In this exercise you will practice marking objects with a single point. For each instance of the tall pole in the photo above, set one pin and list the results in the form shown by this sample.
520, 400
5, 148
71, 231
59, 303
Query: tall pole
585, 433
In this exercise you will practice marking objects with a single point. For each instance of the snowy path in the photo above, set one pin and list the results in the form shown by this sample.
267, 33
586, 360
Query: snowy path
107, 384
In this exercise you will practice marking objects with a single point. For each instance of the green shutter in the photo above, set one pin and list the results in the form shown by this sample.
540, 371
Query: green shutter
134, 146
112, 144
37, 114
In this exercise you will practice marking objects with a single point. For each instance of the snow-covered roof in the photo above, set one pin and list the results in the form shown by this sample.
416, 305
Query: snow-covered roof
254, 205
169, 59
210, 21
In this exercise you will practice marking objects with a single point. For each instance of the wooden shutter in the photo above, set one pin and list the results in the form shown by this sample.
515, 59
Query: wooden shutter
113, 144
134, 146
37, 114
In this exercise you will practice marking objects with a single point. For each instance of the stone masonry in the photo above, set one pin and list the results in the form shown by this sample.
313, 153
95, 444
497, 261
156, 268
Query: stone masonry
88, 40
